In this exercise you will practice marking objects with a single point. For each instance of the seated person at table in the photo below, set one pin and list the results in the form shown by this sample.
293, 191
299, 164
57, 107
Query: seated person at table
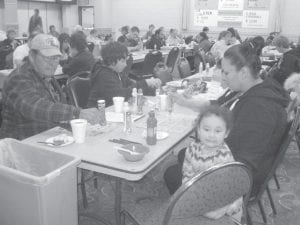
64, 42
221, 45
213, 126
7, 48
235, 38
259, 115
81, 58
204, 43
31, 97
53, 32
289, 62
149, 33
107, 79
174, 39
123, 38
134, 41
157, 40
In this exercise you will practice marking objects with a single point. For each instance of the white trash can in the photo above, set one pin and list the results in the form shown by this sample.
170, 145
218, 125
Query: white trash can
37, 186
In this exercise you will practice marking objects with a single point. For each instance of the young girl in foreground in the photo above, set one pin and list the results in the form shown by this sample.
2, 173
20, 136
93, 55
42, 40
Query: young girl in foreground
213, 126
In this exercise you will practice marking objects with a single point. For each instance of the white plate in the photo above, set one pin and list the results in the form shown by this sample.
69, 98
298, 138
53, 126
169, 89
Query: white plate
160, 135
67, 140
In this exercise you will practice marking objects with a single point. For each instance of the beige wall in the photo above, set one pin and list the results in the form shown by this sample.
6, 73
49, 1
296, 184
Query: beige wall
291, 18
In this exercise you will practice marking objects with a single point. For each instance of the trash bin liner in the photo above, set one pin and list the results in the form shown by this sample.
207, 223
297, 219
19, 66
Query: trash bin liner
37, 186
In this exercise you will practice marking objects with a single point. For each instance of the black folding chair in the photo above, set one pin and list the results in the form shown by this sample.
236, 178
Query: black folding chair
172, 58
285, 142
78, 87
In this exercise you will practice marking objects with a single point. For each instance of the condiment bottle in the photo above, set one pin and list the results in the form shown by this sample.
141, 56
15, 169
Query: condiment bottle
101, 108
134, 100
200, 68
140, 102
151, 128
127, 118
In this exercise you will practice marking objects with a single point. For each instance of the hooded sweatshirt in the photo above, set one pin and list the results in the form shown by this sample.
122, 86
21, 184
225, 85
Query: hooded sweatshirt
106, 84
259, 123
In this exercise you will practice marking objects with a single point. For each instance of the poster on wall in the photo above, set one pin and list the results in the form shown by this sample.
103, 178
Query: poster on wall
226, 19
206, 18
255, 19
205, 4
231, 5
258, 4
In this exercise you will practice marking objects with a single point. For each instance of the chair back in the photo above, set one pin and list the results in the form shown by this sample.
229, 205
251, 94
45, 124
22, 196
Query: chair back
151, 59
184, 68
210, 190
288, 135
172, 58
129, 63
78, 87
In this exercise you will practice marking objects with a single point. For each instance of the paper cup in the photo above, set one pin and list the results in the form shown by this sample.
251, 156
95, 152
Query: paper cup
163, 102
118, 103
79, 130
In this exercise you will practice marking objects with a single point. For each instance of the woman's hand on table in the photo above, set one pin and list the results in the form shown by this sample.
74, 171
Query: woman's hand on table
194, 104
153, 82
92, 115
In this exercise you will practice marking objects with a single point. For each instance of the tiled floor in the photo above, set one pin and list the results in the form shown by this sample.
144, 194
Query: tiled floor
287, 199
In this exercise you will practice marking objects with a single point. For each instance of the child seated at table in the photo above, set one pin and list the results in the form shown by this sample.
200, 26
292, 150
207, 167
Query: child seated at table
213, 126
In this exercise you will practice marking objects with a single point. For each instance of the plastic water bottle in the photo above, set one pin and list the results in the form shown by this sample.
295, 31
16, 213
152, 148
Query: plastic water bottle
200, 68
127, 118
151, 128
101, 108
134, 100
157, 96
140, 102
207, 69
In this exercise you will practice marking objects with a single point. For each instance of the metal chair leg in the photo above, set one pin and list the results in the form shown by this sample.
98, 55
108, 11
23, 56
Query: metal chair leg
95, 180
271, 200
83, 191
276, 181
262, 211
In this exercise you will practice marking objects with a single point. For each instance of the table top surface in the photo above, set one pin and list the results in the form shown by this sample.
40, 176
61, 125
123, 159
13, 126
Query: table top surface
98, 153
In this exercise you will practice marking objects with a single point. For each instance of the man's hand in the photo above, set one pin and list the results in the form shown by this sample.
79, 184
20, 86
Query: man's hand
92, 115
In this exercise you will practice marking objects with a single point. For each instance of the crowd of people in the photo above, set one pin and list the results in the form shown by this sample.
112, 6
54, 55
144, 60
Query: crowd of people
245, 124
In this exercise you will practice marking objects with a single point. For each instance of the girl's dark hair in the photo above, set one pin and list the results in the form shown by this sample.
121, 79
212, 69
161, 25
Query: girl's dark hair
78, 41
244, 55
125, 29
257, 43
218, 111
112, 52
205, 29
157, 32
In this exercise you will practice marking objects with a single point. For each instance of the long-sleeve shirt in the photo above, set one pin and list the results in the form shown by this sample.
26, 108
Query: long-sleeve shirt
31, 104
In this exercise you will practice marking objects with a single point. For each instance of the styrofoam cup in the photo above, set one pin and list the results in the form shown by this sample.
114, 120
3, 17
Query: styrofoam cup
163, 102
79, 130
118, 103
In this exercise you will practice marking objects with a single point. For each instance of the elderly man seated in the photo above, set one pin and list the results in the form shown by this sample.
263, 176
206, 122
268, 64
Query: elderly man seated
32, 99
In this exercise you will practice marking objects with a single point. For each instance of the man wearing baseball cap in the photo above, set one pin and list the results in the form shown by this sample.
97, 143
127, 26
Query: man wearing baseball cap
31, 97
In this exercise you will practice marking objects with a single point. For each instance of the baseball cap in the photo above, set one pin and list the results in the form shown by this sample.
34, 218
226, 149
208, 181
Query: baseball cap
46, 44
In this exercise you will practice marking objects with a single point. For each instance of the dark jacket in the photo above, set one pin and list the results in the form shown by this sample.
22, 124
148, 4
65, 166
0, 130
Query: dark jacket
83, 61
289, 64
259, 123
107, 84
155, 41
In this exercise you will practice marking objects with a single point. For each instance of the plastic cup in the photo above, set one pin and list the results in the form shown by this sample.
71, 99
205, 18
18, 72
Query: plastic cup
163, 102
118, 103
79, 130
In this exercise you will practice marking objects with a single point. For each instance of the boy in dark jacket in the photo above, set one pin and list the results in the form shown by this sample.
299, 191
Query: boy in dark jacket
108, 79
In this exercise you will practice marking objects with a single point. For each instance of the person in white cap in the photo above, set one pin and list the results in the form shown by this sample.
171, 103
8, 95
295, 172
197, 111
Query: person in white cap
31, 97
